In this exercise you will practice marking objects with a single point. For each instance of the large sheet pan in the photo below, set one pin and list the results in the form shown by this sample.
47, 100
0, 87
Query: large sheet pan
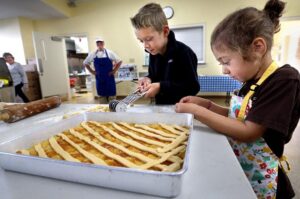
166, 184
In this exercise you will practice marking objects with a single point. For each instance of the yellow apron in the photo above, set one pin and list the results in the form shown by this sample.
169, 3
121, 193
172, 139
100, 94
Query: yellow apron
258, 161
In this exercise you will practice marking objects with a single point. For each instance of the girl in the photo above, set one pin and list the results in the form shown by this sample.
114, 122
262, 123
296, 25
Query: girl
265, 111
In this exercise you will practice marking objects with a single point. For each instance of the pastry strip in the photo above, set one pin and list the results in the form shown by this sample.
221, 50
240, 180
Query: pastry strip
174, 144
107, 152
147, 133
94, 159
163, 158
169, 135
126, 140
58, 149
24, 152
124, 149
137, 137
39, 149
120, 147
171, 129
173, 167
137, 144
181, 128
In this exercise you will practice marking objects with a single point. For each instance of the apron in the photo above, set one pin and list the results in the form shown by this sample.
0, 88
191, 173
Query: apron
258, 161
105, 83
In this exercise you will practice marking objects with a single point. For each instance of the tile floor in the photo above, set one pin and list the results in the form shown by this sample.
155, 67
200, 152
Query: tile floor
291, 149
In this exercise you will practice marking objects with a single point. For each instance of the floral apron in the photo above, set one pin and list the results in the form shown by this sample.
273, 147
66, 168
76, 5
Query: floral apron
258, 161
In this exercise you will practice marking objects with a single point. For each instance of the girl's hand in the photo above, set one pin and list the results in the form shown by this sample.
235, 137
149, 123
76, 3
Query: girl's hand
196, 100
186, 108
189, 99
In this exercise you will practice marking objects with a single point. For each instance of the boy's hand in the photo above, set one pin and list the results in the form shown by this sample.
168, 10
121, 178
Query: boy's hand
144, 83
152, 89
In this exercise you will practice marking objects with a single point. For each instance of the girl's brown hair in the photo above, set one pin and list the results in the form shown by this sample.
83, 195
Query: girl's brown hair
238, 30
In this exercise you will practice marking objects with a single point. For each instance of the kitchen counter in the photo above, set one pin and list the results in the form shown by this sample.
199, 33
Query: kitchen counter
213, 171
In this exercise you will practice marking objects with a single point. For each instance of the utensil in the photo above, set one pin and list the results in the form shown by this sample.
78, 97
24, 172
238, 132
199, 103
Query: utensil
121, 105
13, 113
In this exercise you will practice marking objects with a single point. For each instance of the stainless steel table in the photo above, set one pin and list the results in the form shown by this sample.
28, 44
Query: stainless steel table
214, 171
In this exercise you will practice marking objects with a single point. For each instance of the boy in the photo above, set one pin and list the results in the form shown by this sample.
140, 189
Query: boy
172, 66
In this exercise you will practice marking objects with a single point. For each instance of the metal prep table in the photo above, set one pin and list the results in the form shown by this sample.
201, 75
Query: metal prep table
213, 172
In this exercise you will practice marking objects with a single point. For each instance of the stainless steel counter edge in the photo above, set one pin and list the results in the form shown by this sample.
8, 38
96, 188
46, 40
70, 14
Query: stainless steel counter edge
214, 171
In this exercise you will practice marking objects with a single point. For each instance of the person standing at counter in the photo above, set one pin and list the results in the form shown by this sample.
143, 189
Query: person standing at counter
266, 110
18, 75
106, 64
172, 64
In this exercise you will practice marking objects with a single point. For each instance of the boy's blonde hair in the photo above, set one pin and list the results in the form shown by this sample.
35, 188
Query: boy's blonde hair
150, 15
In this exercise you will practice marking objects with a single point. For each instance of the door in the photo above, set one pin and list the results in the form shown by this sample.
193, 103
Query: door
51, 58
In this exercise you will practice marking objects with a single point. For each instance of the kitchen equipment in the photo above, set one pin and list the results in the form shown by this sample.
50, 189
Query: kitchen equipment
7, 90
13, 113
3, 82
121, 106
165, 184
4, 73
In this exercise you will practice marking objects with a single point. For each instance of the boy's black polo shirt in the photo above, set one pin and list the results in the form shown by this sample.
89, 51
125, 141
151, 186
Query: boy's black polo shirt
176, 71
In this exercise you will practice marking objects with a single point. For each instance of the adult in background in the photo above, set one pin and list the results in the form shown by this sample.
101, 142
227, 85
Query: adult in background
106, 64
18, 75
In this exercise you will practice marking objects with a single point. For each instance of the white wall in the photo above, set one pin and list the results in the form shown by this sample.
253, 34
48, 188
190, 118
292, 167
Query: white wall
110, 19
292, 48
11, 40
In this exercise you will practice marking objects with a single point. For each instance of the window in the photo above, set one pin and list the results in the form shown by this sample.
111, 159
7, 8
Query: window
192, 36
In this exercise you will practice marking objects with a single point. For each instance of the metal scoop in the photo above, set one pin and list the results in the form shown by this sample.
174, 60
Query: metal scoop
121, 105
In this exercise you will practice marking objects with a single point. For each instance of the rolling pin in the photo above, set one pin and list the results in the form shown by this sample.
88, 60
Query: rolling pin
13, 113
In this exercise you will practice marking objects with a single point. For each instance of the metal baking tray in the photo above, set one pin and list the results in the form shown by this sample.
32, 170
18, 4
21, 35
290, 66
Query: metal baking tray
166, 184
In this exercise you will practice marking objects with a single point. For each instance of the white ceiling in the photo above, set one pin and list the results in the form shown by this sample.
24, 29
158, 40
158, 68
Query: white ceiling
33, 9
